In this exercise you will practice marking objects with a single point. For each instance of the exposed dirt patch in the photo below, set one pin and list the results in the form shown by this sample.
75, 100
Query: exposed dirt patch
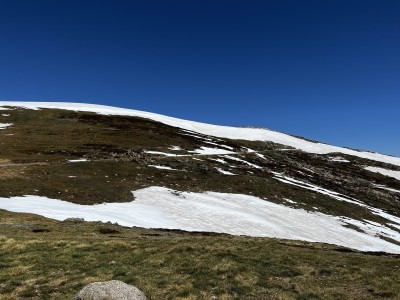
11, 172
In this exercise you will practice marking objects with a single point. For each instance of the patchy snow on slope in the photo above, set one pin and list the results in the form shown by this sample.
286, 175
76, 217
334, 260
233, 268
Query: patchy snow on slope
315, 188
260, 155
335, 195
5, 125
219, 145
382, 187
373, 228
395, 225
243, 161
224, 172
248, 150
386, 172
210, 151
158, 207
192, 134
385, 215
163, 167
251, 134
5, 115
219, 160
290, 201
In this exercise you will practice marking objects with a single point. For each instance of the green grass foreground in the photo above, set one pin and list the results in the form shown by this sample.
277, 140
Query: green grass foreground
45, 259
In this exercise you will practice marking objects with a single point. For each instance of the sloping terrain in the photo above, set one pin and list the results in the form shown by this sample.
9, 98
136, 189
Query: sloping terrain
146, 170
46, 259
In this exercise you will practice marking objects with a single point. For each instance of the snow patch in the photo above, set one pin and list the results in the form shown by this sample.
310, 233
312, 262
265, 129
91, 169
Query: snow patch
158, 207
339, 159
336, 196
163, 167
224, 172
290, 201
175, 148
161, 153
395, 225
218, 145
382, 187
390, 173
219, 160
78, 160
315, 188
210, 151
5, 125
261, 155
243, 161
373, 228
248, 150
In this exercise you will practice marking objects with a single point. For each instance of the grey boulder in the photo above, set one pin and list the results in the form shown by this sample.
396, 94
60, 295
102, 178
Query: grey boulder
110, 290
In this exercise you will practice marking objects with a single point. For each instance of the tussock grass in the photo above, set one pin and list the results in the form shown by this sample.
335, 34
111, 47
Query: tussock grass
179, 265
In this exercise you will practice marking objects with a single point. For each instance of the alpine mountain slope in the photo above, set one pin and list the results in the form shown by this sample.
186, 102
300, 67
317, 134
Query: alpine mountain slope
143, 170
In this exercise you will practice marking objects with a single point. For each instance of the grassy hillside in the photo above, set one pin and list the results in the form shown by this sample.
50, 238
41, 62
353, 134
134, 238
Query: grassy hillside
35, 151
44, 259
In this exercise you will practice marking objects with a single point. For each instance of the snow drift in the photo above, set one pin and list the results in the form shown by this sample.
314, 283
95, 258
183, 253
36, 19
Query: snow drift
236, 214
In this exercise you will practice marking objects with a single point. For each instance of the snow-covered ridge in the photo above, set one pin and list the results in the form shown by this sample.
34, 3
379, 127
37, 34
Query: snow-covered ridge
159, 207
252, 134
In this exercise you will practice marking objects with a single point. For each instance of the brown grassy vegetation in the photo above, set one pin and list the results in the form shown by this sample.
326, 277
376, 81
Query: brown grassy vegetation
45, 259
34, 161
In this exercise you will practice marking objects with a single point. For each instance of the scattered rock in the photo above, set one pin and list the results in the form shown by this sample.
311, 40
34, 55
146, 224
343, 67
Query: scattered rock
110, 290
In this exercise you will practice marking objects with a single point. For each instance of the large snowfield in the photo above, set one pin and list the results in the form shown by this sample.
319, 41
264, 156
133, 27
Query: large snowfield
251, 134
159, 207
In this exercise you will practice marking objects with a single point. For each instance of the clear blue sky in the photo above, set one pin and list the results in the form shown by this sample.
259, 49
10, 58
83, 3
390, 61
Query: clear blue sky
326, 70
